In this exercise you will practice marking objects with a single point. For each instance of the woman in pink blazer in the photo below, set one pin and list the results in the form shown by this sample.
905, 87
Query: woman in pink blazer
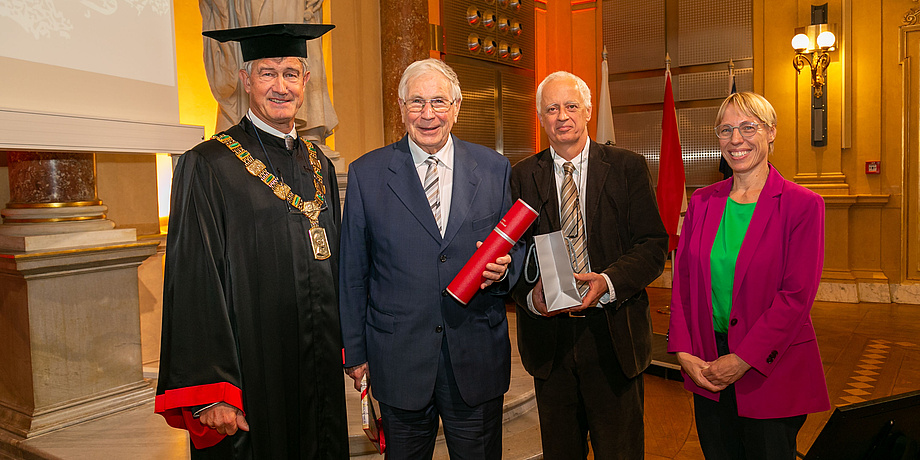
747, 269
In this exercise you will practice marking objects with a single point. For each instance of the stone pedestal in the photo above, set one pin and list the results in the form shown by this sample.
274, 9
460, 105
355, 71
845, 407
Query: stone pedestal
70, 336
69, 315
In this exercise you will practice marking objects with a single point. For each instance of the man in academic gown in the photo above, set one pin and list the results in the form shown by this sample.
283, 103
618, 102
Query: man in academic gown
251, 349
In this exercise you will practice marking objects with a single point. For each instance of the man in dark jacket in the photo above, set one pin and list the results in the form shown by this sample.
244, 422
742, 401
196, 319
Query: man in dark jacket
587, 360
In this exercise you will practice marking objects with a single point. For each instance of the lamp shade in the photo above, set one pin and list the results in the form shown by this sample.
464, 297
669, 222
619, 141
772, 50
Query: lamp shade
800, 42
826, 39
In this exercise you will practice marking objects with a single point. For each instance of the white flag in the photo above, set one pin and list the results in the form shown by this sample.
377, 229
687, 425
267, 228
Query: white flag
604, 112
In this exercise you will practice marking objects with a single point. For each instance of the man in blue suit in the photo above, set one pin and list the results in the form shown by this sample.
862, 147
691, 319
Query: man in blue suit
414, 212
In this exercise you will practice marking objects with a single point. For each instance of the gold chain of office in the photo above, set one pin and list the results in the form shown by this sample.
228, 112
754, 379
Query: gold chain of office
311, 209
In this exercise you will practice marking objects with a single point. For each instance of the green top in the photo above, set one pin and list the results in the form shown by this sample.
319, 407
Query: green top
722, 259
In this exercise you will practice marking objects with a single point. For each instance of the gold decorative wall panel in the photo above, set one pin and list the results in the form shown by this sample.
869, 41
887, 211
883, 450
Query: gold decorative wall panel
641, 133
701, 35
699, 145
638, 91
478, 112
711, 85
498, 109
519, 116
634, 34
687, 87
714, 31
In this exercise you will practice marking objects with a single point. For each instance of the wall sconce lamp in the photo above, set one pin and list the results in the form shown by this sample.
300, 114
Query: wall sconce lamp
812, 45
804, 46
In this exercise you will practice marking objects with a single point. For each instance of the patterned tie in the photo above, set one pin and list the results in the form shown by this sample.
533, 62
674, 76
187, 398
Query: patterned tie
573, 226
431, 189
289, 142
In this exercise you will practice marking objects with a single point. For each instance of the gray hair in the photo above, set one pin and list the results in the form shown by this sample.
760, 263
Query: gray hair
580, 84
247, 66
419, 68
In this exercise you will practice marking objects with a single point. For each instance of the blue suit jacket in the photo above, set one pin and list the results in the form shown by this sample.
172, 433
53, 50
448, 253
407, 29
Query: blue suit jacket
395, 266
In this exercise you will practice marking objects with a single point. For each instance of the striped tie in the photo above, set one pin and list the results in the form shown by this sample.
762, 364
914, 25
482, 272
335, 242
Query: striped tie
431, 189
573, 226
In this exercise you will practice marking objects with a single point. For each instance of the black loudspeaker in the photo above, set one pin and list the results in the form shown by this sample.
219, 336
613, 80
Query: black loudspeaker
881, 429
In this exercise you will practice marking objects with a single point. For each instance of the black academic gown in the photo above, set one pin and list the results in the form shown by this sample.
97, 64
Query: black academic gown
249, 316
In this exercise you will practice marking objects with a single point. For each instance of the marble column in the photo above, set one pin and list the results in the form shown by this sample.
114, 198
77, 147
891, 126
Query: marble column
69, 314
403, 40
53, 204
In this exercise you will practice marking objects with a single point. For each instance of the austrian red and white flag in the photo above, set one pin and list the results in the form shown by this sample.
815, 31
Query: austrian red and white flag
671, 191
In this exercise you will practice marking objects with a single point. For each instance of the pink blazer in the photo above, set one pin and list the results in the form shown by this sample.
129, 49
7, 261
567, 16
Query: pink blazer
776, 278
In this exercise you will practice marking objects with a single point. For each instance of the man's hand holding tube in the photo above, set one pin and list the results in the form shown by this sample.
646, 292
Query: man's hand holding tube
494, 271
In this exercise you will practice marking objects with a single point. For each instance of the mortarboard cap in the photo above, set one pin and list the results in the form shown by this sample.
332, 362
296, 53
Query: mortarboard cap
271, 40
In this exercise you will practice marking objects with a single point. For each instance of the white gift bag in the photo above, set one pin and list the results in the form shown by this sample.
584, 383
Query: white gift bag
559, 286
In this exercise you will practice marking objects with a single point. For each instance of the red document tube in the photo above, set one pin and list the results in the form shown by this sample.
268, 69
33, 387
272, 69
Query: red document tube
498, 243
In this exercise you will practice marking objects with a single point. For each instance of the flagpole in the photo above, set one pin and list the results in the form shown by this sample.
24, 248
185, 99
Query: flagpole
724, 169
731, 76
666, 310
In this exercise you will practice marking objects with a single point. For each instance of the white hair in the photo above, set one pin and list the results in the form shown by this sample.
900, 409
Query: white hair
580, 84
419, 68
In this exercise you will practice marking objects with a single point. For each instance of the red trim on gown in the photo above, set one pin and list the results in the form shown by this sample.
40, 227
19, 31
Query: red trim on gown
174, 406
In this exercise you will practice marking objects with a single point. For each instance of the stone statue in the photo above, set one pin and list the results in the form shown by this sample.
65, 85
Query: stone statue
316, 118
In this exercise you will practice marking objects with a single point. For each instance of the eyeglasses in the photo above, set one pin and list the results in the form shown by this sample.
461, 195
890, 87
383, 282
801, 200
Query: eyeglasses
747, 130
439, 105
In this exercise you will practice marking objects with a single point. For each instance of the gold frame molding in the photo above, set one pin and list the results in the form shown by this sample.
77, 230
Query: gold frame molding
71, 204
51, 220
910, 85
